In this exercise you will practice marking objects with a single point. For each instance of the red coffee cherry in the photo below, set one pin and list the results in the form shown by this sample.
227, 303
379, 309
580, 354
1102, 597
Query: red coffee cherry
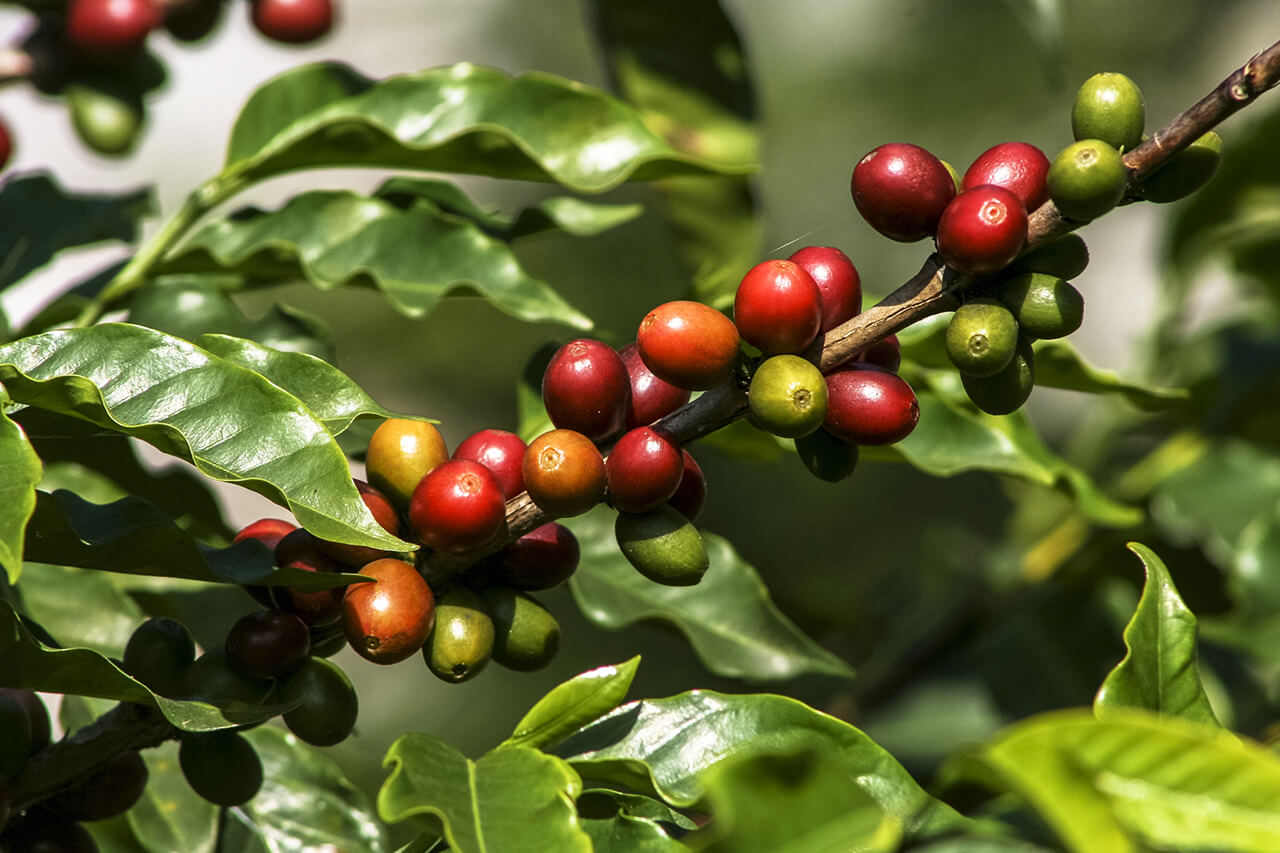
1019, 167
293, 21
383, 513
268, 531
838, 282
901, 190
110, 29
544, 557
268, 644
778, 307
983, 230
564, 473
692, 491
688, 344
869, 405
886, 353
501, 452
6, 144
459, 505
301, 550
389, 619
651, 398
643, 470
586, 389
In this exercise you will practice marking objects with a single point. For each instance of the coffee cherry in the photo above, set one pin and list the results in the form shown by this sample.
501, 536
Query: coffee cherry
462, 640
691, 494
1086, 179
788, 396
158, 654
886, 353
501, 452
869, 405
37, 715
109, 791
268, 644
662, 545
525, 634
1065, 257
688, 344
327, 641
268, 531
383, 513
1188, 170
300, 550
901, 190
15, 737
329, 705
981, 337
44, 831
293, 21
192, 20
1006, 391
212, 678
222, 767
1109, 107
827, 457
110, 29
564, 473
458, 506
1017, 166
651, 398
6, 144
106, 122
1044, 305
401, 452
778, 307
838, 283
982, 230
544, 557
388, 620
586, 388
643, 470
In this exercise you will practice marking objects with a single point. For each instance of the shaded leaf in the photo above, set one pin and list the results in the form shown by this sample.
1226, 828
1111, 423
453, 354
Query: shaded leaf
728, 617
171, 816
79, 609
233, 424
573, 704
416, 256
1159, 672
1254, 623
1058, 365
463, 118
20, 471
513, 799
629, 823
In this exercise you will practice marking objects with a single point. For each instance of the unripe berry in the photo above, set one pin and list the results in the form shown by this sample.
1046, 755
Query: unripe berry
643, 470
110, 29
1017, 166
329, 705
651, 398
192, 20
564, 473
293, 21
158, 654
1087, 179
501, 452
868, 405
400, 454
901, 190
778, 307
388, 620
1044, 305
981, 337
1109, 107
1189, 170
458, 506
838, 283
827, 457
1006, 391
982, 230
688, 344
788, 396
1065, 257
586, 388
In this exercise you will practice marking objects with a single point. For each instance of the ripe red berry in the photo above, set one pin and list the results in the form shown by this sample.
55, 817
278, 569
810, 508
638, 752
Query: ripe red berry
564, 473
111, 29
778, 307
651, 398
501, 452
268, 531
458, 505
901, 190
293, 21
643, 470
838, 283
692, 491
268, 644
869, 405
688, 344
586, 389
544, 557
383, 513
1018, 167
301, 550
886, 353
982, 230
6, 144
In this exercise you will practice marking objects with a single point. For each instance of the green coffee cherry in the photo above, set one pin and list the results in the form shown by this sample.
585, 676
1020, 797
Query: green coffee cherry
1109, 107
1044, 305
1065, 257
329, 706
1006, 391
462, 638
222, 767
158, 654
955, 176
827, 457
788, 396
525, 634
105, 121
663, 546
1187, 171
213, 679
1086, 179
982, 337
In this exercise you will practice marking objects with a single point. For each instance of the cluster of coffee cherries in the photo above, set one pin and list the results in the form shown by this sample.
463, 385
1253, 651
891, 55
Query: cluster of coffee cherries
980, 220
93, 52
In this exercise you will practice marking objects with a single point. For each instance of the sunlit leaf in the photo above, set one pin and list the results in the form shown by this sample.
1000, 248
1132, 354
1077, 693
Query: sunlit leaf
20, 471
170, 815
630, 823
573, 704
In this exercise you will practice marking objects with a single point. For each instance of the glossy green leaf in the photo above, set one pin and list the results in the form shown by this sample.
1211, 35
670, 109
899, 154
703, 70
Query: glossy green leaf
1159, 672
1135, 781
630, 823
79, 609
800, 801
415, 256
136, 537
728, 617
573, 704
512, 800
463, 118
1058, 365
170, 816
233, 424
38, 219
664, 746
20, 471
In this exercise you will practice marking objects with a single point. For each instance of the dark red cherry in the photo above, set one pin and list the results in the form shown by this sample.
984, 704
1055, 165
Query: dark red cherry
501, 452
651, 398
586, 389
838, 282
643, 470
901, 190
1019, 167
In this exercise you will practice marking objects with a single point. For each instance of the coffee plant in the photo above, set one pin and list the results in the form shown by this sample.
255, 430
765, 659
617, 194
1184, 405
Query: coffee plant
172, 681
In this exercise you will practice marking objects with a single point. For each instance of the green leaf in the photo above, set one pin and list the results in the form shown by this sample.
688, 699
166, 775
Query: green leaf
38, 220
463, 118
170, 815
510, 800
79, 609
629, 823
1134, 781
1042, 19
20, 471
233, 424
1254, 623
573, 704
1159, 672
664, 746
728, 618
416, 256
1058, 365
